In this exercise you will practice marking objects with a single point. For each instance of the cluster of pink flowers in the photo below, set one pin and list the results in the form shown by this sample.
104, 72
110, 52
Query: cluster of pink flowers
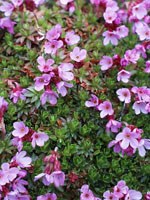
54, 75
67, 5
52, 172
24, 134
8, 7
12, 183
120, 192
130, 139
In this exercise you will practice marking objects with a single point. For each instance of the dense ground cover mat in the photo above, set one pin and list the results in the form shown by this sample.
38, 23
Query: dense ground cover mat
74, 100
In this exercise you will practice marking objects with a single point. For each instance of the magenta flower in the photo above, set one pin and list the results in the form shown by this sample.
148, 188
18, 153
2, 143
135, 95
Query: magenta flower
71, 38
143, 145
64, 71
6, 23
10, 172
39, 139
7, 8
45, 66
42, 81
106, 109
124, 95
54, 33
113, 126
123, 76
58, 178
109, 15
126, 138
19, 185
3, 107
147, 68
65, 2
133, 195
48, 196
17, 93
109, 196
49, 96
3, 178
21, 159
110, 37
139, 107
51, 47
139, 11
132, 56
122, 31
78, 55
120, 189
62, 87
87, 194
20, 129
17, 142
17, 3
93, 101
143, 31
106, 63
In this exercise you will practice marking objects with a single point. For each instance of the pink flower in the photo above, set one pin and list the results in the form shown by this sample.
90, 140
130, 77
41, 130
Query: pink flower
123, 76
17, 3
10, 172
65, 73
58, 178
120, 189
147, 69
139, 107
124, 95
106, 109
147, 196
54, 33
39, 2
17, 93
109, 15
140, 49
113, 126
3, 178
110, 37
126, 138
19, 185
45, 66
133, 195
65, 2
143, 145
42, 81
39, 139
21, 159
62, 87
49, 96
106, 63
8, 24
3, 107
52, 46
7, 8
122, 31
77, 54
71, 38
48, 196
132, 56
87, 194
143, 31
17, 142
109, 196
139, 11
93, 101
20, 129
